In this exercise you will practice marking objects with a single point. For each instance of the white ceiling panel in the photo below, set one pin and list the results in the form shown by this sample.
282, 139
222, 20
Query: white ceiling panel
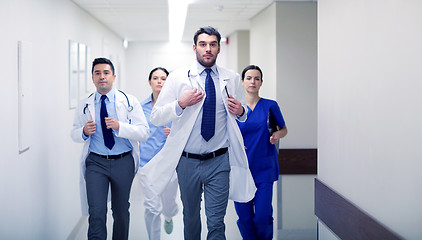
147, 20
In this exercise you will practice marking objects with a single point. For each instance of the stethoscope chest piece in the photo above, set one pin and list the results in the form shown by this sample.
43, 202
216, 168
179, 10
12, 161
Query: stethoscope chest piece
130, 108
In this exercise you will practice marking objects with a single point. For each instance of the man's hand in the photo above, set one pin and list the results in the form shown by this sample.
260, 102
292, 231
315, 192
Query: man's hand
190, 97
235, 107
166, 131
112, 123
89, 128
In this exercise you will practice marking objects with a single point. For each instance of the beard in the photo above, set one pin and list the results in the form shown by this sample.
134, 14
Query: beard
204, 63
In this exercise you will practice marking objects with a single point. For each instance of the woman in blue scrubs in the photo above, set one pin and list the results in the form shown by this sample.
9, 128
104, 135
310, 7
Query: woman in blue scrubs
256, 217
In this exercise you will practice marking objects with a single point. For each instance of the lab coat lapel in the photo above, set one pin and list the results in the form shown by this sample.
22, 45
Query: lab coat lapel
121, 104
224, 78
91, 106
195, 78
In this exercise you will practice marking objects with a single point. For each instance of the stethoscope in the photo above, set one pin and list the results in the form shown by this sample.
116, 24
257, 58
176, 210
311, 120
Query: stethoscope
225, 87
129, 107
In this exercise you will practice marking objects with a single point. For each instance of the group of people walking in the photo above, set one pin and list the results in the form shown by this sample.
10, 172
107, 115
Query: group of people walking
203, 130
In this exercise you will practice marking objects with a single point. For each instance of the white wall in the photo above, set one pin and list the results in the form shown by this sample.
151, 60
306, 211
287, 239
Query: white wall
283, 44
263, 47
142, 57
296, 31
296, 70
369, 114
297, 202
238, 51
40, 192
232, 50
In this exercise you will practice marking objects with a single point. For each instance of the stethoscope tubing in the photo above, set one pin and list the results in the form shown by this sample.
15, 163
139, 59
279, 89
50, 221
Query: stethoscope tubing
129, 107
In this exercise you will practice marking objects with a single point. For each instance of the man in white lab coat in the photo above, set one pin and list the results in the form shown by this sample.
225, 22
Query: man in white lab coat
110, 124
205, 146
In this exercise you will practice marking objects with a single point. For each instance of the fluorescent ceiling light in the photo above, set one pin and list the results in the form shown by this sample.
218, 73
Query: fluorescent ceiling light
125, 43
177, 18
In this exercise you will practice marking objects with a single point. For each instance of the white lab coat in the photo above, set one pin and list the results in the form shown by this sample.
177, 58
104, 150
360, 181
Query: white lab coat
132, 126
160, 169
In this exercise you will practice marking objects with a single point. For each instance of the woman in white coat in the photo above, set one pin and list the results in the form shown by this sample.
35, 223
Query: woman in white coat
165, 203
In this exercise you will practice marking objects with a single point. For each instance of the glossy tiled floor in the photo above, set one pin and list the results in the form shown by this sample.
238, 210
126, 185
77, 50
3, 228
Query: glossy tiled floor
138, 231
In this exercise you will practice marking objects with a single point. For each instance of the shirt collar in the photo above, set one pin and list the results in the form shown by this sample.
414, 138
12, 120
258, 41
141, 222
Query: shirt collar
202, 68
110, 95
149, 99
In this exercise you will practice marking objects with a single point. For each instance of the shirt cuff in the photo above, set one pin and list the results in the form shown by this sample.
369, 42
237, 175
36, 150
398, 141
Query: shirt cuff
243, 112
179, 109
243, 116
83, 136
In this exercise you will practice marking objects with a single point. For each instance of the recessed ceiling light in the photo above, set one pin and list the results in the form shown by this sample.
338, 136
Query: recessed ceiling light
219, 7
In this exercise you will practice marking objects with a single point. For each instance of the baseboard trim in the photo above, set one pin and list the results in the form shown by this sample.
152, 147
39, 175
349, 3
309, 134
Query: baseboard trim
345, 219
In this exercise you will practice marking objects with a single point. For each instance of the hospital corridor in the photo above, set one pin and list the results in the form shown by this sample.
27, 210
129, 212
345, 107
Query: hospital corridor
137, 228
344, 77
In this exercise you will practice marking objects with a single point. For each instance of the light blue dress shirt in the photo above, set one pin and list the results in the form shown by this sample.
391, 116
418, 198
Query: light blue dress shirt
156, 139
97, 145
196, 143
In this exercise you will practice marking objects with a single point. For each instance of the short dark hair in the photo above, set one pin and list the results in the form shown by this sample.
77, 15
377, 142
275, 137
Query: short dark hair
155, 69
208, 30
102, 61
252, 67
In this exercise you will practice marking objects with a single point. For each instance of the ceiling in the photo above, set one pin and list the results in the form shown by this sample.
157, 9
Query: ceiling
147, 20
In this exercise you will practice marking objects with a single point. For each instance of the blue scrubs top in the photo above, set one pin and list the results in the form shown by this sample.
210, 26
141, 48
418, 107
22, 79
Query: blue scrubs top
262, 155
156, 139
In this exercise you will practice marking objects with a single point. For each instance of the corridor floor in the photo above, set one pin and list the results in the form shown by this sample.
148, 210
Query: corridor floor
138, 231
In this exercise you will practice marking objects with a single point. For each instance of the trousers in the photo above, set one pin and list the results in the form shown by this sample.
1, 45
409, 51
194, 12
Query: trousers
210, 177
101, 175
256, 216
155, 205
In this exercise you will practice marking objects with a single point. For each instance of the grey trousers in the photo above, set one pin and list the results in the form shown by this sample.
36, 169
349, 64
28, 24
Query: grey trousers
102, 174
212, 178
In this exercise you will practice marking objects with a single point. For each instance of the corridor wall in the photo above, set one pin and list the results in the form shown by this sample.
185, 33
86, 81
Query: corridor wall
369, 114
40, 187
283, 42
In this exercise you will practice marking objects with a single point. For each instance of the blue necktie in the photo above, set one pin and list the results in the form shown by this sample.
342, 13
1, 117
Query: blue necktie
107, 133
208, 110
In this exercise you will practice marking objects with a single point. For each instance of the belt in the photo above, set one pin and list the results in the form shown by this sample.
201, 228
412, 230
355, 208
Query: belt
205, 156
111, 156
